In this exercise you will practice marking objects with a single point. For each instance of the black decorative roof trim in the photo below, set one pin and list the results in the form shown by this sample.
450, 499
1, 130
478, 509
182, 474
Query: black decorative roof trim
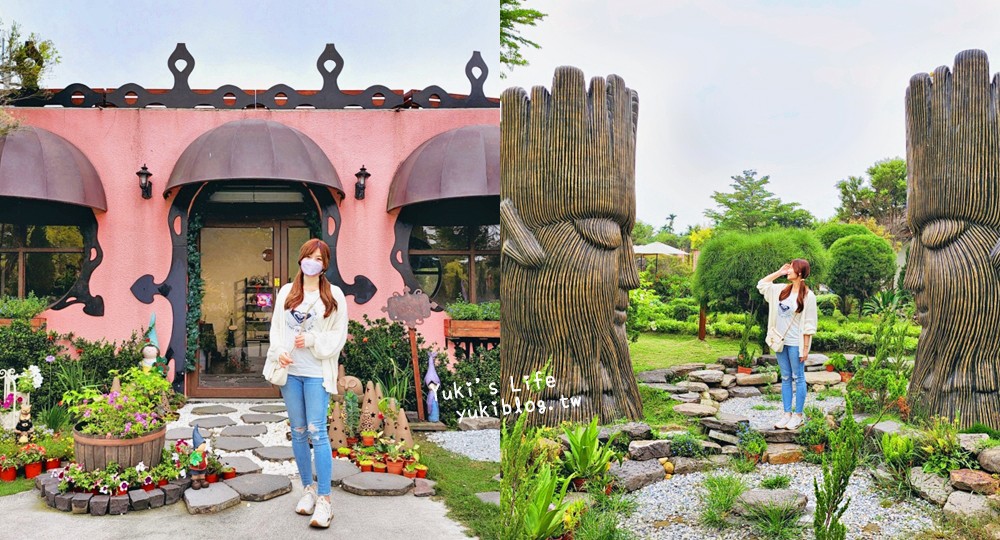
280, 96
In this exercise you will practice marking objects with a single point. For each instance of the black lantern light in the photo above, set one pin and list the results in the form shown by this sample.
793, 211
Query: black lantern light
144, 183
359, 186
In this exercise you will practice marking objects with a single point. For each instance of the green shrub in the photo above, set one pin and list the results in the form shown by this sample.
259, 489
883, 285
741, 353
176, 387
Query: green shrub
861, 265
897, 452
721, 492
379, 350
982, 428
775, 521
742, 465
22, 308
751, 442
466, 311
845, 446
21, 346
941, 450
686, 445
586, 456
682, 308
827, 303
484, 366
831, 232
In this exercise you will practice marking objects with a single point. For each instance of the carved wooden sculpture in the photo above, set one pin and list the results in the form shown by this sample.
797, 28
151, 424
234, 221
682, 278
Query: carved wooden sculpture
566, 212
953, 209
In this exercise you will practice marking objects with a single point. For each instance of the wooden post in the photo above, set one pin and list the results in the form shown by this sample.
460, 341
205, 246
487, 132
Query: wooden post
416, 374
701, 324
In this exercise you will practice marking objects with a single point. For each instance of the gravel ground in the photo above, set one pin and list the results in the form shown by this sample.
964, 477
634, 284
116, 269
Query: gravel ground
766, 419
480, 445
275, 435
667, 509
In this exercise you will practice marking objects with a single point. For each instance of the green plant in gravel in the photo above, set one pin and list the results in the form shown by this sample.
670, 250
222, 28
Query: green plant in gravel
721, 492
586, 457
600, 522
897, 452
775, 521
838, 466
742, 465
778, 481
543, 517
941, 450
686, 445
878, 386
751, 442
764, 408
814, 431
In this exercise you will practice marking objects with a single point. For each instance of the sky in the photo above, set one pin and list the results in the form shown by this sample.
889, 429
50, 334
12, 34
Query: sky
257, 43
806, 92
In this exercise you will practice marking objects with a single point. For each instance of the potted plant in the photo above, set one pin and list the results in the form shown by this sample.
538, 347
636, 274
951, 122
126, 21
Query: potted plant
213, 469
394, 459
751, 443
344, 451
228, 473
378, 466
814, 433
410, 455
410, 471
352, 416
368, 437
365, 464
8, 467
744, 358
53, 451
32, 456
587, 459
421, 470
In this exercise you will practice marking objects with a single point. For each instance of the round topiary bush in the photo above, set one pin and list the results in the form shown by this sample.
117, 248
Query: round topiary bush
831, 232
860, 266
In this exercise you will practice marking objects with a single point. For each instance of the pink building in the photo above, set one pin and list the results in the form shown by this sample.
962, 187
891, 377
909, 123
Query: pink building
403, 186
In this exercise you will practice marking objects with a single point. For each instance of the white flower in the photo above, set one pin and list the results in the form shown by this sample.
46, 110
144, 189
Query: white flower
183, 473
140, 467
174, 456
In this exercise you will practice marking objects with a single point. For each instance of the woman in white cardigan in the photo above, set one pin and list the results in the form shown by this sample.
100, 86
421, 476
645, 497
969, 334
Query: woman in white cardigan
308, 331
792, 313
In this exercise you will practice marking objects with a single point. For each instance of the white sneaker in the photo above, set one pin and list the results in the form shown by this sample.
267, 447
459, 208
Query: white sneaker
308, 501
780, 424
795, 422
323, 515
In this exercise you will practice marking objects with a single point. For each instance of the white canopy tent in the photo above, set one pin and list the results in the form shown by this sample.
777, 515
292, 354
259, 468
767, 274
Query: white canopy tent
658, 248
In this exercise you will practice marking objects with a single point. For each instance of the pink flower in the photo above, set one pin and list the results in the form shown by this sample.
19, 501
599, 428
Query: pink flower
50, 358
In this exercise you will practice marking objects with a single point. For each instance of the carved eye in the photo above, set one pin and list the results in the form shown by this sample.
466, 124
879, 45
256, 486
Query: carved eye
941, 232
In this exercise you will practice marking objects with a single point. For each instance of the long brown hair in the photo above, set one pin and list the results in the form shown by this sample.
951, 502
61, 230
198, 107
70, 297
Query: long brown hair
801, 267
297, 294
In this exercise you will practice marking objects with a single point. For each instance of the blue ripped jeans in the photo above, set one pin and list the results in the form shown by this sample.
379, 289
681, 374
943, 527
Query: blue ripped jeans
307, 402
788, 361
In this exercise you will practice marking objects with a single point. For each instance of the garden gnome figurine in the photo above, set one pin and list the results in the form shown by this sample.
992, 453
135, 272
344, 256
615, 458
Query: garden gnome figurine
337, 430
24, 429
347, 383
433, 382
198, 462
151, 353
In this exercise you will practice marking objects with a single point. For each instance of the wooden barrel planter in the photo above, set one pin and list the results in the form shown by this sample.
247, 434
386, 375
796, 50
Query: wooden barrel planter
93, 453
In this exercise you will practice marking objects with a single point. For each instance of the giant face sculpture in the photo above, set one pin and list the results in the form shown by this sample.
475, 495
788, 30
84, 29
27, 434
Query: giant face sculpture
567, 212
953, 209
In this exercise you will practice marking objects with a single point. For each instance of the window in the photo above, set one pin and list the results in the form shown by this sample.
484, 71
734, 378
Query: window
456, 262
42, 259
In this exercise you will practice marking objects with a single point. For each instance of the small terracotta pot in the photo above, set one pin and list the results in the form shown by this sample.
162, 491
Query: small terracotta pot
366, 468
378, 467
846, 376
818, 448
421, 473
579, 483
212, 478
744, 370
8, 474
753, 457
148, 487
829, 367
52, 464
394, 467
228, 475
368, 441
162, 482
121, 492
351, 441
32, 470
410, 474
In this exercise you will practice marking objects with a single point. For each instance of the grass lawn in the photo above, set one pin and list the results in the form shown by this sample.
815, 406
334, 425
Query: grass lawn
17, 486
458, 480
658, 409
654, 351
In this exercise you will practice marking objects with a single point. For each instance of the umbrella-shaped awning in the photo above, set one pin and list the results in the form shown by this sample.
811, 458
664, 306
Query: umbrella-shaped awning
38, 164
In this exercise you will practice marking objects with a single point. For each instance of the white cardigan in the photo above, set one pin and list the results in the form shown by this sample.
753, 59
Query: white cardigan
328, 336
809, 319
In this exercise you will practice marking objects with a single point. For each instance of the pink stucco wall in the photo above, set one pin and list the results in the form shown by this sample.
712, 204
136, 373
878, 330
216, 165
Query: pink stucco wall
133, 232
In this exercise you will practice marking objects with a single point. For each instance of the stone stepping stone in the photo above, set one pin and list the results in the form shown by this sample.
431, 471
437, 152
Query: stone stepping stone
213, 409
212, 422
270, 408
257, 418
185, 433
342, 468
243, 431
489, 497
424, 488
243, 465
236, 444
276, 453
215, 498
260, 487
377, 484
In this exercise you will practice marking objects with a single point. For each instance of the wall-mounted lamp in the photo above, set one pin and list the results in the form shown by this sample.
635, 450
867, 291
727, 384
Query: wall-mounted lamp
359, 186
144, 183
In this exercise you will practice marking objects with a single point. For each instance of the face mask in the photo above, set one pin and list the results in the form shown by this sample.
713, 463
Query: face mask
311, 267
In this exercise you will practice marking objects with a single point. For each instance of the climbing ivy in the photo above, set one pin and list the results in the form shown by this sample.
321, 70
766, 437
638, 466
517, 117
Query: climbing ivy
196, 289
312, 220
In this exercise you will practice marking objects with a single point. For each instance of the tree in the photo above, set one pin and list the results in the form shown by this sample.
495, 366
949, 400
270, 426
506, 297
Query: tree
881, 196
642, 233
860, 266
732, 263
22, 65
831, 232
752, 207
512, 16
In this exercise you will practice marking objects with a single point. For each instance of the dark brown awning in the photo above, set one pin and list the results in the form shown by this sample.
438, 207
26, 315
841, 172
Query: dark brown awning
255, 150
38, 164
459, 163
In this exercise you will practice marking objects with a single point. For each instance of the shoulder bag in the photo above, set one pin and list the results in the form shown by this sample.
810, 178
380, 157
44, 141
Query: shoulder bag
274, 372
777, 341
